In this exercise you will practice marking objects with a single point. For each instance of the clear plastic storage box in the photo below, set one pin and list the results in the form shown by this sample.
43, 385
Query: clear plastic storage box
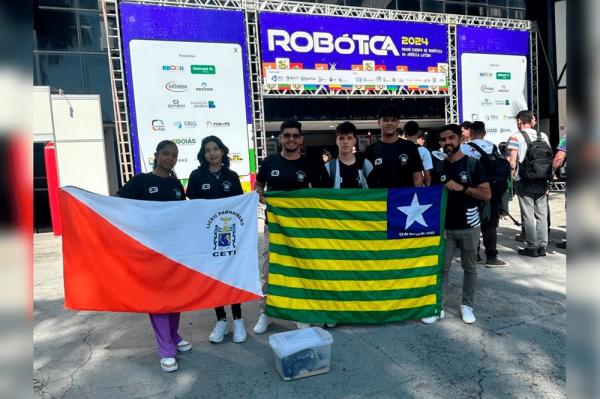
301, 353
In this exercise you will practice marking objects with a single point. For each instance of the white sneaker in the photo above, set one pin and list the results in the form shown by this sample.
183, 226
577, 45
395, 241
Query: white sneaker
467, 314
433, 319
221, 330
169, 364
184, 346
262, 324
330, 325
239, 331
300, 325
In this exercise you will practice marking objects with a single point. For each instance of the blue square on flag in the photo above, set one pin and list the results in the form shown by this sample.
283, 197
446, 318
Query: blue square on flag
414, 212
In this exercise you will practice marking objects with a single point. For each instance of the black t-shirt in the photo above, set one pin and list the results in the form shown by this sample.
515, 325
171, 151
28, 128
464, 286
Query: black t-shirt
150, 187
393, 164
204, 184
348, 174
462, 211
278, 173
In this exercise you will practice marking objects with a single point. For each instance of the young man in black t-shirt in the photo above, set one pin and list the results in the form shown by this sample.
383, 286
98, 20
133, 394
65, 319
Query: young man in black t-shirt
467, 186
288, 170
396, 162
347, 170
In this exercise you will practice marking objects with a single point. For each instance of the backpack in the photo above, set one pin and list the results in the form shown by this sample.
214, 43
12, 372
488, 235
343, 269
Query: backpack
497, 168
485, 207
363, 171
537, 164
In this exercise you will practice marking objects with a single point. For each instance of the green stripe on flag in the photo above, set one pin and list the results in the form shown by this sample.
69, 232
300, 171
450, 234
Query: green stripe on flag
327, 214
352, 275
324, 233
387, 295
344, 254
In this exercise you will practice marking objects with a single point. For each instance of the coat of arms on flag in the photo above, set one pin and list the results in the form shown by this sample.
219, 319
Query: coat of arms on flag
158, 257
356, 256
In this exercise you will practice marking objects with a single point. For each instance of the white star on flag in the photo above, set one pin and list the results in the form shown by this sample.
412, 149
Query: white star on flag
414, 212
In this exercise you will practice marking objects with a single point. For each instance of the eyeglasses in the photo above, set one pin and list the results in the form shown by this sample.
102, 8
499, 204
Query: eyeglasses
291, 136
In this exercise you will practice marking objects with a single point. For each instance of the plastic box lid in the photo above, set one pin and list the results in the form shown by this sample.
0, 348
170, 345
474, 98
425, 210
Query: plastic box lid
290, 342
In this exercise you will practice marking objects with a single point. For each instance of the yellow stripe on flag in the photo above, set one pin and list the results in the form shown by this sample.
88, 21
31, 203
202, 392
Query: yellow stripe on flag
334, 205
352, 285
330, 224
354, 245
356, 265
349, 306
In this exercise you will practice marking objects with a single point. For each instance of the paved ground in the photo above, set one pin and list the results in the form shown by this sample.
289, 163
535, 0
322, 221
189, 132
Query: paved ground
517, 348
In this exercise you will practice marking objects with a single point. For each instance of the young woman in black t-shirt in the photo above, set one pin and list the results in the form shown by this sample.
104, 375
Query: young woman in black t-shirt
213, 179
161, 185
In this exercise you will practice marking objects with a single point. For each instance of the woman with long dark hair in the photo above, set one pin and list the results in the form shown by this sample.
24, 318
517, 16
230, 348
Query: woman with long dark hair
212, 180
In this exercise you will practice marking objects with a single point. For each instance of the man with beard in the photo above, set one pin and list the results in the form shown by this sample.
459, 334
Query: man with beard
396, 162
285, 171
467, 185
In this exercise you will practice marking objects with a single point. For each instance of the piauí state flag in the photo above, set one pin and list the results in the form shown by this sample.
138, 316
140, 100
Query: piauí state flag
156, 257
355, 256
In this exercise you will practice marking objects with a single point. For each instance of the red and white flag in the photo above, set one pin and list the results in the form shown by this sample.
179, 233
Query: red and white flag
157, 257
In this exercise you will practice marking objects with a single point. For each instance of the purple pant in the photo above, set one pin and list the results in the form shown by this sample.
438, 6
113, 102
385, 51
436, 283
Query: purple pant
165, 326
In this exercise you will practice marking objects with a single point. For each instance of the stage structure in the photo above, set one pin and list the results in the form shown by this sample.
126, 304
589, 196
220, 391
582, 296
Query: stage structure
307, 50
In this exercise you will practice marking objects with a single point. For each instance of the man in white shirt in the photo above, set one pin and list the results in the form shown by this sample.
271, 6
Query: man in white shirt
489, 228
411, 133
532, 194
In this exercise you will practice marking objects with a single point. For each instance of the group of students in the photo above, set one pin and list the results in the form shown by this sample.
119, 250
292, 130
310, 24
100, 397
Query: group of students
391, 162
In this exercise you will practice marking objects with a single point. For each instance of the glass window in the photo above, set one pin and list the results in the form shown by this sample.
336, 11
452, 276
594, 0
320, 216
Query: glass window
92, 34
455, 8
409, 5
97, 81
61, 71
89, 4
56, 30
56, 3
517, 3
516, 14
36, 76
477, 1
497, 3
477, 10
432, 6
497, 12
390, 4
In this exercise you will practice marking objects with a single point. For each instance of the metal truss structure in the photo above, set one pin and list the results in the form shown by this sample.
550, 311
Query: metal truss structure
260, 91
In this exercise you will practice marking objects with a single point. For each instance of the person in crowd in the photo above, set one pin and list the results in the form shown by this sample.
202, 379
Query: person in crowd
557, 163
161, 184
465, 132
532, 193
411, 133
347, 170
396, 162
212, 180
498, 172
326, 155
467, 185
288, 170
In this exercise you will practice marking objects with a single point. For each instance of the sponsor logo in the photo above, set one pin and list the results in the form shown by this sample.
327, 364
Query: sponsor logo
176, 87
206, 186
185, 124
158, 125
300, 175
502, 102
204, 104
187, 56
491, 117
504, 130
274, 173
326, 43
184, 141
204, 87
503, 75
203, 69
503, 89
236, 157
486, 101
153, 190
215, 124
485, 74
176, 104
487, 89
172, 68
224, 225
403, 159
